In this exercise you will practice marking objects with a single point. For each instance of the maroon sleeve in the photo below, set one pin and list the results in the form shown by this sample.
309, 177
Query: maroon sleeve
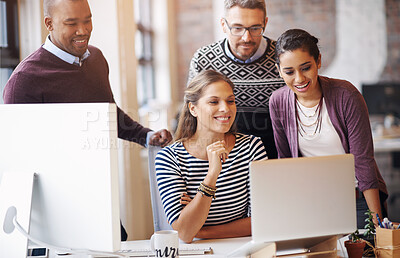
16, 91
277, 118
360, 141
130, 130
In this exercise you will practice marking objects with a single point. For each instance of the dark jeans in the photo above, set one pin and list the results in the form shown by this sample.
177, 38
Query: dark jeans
362, 207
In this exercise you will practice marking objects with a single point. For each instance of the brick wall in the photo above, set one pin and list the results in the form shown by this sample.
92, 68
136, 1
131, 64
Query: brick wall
392, 68
194, 29
316, 17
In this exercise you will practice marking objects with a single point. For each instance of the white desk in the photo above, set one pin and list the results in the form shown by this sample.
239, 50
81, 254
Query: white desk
220, 247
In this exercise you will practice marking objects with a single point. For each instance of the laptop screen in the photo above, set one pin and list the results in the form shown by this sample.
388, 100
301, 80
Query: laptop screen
302, 199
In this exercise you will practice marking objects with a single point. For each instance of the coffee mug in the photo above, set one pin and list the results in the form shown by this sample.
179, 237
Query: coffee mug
165, 243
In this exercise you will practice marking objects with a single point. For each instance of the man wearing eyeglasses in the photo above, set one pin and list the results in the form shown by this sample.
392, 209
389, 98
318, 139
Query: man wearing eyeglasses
247, 58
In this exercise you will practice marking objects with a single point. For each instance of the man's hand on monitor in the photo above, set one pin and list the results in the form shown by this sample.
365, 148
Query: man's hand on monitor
161, 138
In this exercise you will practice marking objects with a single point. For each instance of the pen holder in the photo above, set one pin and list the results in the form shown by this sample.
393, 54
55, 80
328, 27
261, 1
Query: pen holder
387, 242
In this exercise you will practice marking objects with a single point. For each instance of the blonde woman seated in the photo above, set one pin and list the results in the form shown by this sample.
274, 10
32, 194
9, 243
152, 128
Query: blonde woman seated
203, 177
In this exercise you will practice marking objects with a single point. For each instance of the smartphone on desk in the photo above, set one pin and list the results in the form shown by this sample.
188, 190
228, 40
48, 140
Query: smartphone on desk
38, 252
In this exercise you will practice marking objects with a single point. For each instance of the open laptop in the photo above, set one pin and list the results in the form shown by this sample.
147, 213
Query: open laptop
300, 202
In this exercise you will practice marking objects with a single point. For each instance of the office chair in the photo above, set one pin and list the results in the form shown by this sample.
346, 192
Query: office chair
160, 221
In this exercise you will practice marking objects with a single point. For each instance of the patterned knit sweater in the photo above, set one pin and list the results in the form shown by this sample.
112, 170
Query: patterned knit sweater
44, 78
254, 83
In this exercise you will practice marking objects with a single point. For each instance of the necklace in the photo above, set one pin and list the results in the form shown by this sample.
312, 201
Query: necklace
301, 110
317, 123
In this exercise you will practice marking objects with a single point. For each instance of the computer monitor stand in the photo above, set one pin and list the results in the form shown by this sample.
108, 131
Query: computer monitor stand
15, 191
326, 248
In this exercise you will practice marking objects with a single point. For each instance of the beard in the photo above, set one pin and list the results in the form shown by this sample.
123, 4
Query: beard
244, 55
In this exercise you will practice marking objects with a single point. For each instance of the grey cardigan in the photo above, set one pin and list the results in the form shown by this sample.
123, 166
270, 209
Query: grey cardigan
349, 115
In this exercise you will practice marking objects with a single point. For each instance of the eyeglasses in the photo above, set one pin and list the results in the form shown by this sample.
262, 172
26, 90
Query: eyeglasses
254, 31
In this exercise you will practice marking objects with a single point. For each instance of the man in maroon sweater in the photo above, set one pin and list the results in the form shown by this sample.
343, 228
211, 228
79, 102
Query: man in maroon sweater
67, 70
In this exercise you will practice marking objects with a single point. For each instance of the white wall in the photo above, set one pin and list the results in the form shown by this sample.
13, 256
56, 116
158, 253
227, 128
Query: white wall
105, 37
361, 41
161, 50
156, 113
31, 19
218, 13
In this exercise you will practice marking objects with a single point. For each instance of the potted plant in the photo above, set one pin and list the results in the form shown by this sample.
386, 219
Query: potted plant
369, 225
369, 234
355, 245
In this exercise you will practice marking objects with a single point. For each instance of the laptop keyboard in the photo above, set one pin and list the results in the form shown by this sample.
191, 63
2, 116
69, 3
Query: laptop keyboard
187, 250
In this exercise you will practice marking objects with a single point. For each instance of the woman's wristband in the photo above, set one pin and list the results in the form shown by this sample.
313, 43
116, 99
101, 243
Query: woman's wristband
207, 190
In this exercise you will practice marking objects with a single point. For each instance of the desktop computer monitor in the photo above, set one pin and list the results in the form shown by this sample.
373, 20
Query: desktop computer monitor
72, 149
382, 98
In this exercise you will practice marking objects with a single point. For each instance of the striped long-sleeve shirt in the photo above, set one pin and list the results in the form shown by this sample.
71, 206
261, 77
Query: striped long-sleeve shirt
179, 172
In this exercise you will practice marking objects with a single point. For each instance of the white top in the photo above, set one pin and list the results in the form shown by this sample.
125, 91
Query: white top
322, 143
